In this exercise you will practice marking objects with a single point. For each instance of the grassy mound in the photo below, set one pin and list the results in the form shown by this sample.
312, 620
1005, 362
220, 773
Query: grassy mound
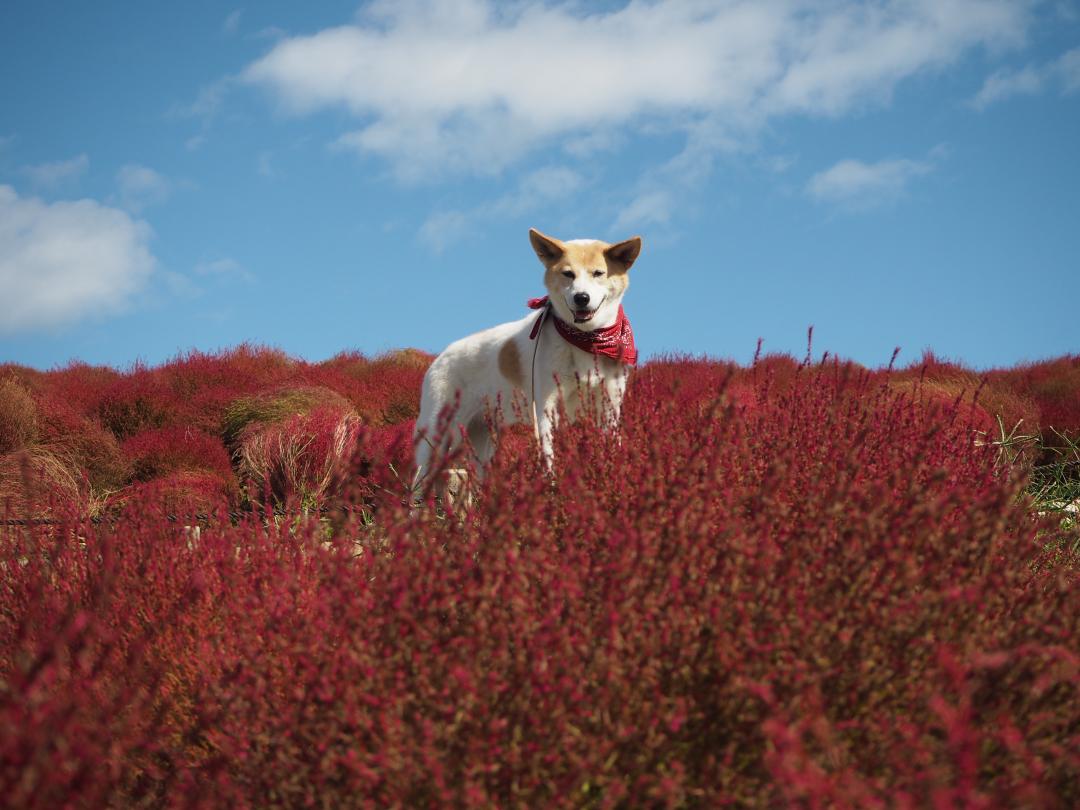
295, 460
273, 406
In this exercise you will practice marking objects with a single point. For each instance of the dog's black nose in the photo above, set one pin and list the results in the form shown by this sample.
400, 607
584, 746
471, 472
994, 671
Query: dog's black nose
581, 299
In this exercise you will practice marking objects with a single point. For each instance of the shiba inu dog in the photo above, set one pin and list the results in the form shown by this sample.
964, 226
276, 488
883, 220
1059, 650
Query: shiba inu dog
578, 344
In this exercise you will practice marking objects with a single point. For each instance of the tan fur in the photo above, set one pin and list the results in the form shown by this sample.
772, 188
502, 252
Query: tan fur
510, 364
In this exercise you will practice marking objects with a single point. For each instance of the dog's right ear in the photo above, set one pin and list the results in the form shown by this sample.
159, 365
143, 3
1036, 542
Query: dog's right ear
548, 249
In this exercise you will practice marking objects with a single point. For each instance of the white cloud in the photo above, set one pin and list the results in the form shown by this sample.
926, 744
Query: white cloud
778, 164
224, 268
265, 164
140, 187
1066, 12
651, 207
270, 32
205, 108
471, 85
443, 228
51, 175
1004, 84
551, 184
1068, 69
539, 188
207, 102
854, 184
232, 22
592, 143
1030, 80
65, 261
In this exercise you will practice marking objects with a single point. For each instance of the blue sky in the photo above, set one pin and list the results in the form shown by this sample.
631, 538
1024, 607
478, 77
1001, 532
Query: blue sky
332, 176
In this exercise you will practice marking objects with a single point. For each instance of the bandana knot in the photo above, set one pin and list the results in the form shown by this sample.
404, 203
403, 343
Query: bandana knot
615, 341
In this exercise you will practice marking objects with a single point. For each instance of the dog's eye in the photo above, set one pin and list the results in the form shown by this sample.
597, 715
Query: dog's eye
597, 273
568, 273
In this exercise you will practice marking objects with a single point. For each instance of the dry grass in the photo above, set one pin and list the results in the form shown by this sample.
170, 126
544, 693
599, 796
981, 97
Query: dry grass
274, 406
295, 461
32, 481
18, 416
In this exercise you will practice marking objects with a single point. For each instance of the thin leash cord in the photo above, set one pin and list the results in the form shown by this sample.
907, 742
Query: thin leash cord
532, 374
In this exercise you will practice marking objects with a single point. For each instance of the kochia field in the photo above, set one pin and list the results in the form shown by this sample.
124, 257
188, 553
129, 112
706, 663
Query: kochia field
802, 584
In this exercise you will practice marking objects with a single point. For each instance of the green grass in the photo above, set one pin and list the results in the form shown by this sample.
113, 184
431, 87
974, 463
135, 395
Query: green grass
1053, 474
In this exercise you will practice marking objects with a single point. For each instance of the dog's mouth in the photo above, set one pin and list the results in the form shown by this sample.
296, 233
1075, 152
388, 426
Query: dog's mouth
583, 315
586, 315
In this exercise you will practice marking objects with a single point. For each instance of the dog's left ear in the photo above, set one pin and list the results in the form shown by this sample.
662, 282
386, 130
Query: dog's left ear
624, 254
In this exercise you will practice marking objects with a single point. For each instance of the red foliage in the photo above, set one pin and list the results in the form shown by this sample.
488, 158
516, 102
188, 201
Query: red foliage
203, 385
136, 402
391, 444
79, 386
1055, 386
86, 443
296, 461
686, 381
953, 398
155, 453
384, 390
183, 492
998, 394
831, 598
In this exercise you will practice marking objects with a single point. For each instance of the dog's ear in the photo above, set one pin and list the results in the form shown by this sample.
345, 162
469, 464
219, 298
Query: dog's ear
548, 249
623, 254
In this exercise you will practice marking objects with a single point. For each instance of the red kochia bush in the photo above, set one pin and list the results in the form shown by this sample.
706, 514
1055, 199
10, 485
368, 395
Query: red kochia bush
184, 493
297, 459
1055, 386
86, 443
831, 598
384, 390
139, 401
155, 453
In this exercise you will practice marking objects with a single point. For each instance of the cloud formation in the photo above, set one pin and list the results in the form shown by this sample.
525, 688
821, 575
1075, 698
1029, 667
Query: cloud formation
534, 191
471, 85
854, 184
224, 268
57, 173
1003, 84
65, 261
1068, 71
232, 22
140, 187
1030, 80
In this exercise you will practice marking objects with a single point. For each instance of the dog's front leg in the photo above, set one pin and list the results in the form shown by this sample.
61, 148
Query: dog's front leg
614, 390
547, 420
545, 432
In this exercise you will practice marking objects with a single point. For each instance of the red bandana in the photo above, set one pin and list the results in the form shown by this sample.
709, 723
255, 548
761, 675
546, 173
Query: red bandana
616, 341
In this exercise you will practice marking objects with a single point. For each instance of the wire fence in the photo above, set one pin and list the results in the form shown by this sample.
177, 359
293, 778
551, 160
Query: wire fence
234, 516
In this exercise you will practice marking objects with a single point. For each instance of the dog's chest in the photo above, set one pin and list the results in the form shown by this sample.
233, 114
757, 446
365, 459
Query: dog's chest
575, 367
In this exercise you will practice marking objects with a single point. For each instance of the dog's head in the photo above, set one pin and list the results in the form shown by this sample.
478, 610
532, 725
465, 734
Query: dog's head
585, 278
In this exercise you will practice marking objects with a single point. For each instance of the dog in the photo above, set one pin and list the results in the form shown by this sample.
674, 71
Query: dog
579, 344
